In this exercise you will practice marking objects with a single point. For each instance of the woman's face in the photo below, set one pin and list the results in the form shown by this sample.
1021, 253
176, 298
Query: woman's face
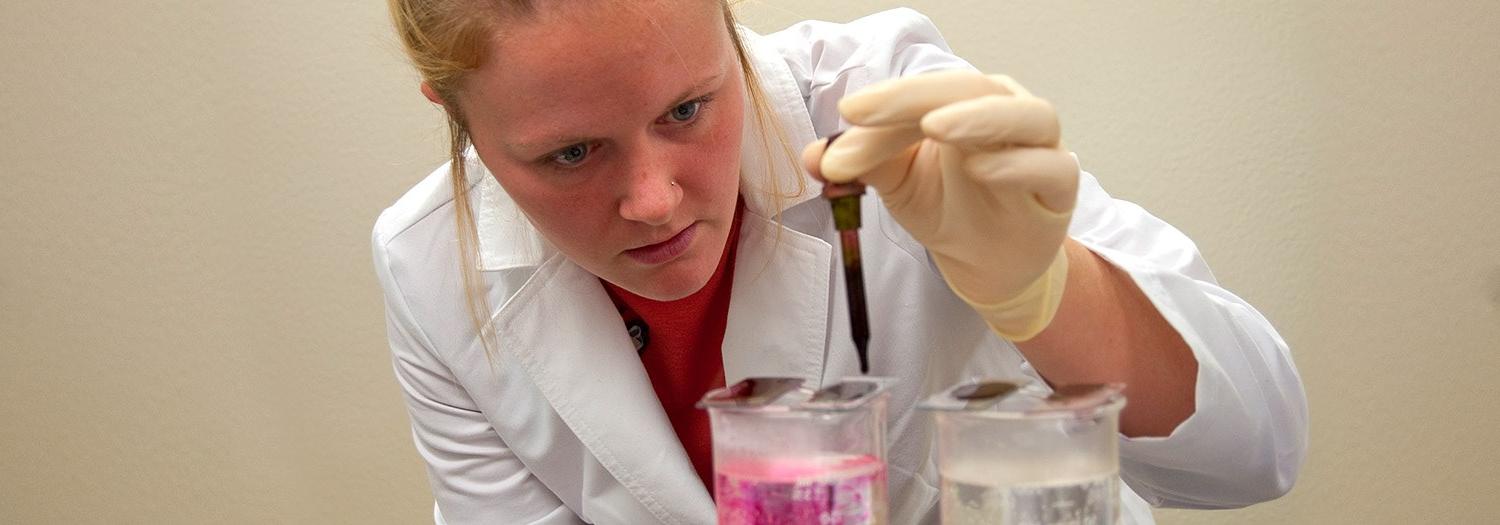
616, 127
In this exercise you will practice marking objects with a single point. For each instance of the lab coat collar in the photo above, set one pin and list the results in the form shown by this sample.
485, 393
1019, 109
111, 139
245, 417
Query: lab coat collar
567, 336
762, 149
770, 174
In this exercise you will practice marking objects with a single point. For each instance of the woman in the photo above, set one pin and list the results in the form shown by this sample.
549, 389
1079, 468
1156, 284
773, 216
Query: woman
633, 171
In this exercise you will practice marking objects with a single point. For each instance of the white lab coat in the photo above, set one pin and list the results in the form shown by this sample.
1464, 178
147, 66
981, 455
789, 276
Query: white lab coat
561, 425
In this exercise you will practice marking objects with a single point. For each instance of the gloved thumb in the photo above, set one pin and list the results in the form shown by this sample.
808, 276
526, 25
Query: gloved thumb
877, 156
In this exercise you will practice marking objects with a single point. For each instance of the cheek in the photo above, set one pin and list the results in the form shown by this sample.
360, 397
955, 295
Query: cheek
551, 208
725, 142
564, 216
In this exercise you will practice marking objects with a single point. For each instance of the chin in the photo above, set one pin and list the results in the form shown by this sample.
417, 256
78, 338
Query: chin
676, 290
676, 279
675, 283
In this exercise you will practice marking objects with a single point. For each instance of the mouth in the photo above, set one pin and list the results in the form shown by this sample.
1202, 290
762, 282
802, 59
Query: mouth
667, 250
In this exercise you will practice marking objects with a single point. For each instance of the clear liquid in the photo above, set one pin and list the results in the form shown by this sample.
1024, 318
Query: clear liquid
1089, 501
840, 490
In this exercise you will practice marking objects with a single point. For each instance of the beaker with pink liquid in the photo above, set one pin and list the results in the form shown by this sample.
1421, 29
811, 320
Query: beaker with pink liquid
785, 454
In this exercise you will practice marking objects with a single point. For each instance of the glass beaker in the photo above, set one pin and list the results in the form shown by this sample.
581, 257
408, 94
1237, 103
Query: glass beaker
1010, 452
784, 454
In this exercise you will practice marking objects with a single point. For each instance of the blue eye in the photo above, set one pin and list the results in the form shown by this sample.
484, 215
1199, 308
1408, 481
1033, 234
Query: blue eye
571, 155
685, 111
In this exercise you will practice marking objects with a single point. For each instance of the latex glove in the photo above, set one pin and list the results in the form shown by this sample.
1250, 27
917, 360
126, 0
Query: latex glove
971, 165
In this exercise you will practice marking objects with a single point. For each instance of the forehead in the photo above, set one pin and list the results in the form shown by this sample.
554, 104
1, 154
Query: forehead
573, 60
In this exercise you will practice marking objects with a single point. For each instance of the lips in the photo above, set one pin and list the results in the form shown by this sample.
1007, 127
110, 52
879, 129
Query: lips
666, 250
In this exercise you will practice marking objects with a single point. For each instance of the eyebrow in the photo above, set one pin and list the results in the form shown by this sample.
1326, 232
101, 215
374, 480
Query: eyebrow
551, 143
700, 86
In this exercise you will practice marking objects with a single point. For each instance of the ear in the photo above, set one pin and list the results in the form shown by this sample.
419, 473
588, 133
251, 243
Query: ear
431, 94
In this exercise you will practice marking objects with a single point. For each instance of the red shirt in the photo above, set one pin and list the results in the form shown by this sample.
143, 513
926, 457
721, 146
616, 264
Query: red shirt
683, 355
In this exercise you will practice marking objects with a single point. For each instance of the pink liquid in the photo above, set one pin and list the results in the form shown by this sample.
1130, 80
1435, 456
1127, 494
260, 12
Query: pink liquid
836, 490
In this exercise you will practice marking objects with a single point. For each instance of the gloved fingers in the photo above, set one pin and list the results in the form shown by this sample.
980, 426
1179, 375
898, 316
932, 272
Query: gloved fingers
993, 122
877, 156
1010, 85
1048, 175
905, 100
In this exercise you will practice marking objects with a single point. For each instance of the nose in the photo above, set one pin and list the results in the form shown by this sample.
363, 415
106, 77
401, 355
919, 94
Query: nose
651, 194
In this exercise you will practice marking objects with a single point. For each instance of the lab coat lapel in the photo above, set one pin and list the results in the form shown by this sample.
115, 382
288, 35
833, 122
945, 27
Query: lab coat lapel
778, 311
567, 336
779, 307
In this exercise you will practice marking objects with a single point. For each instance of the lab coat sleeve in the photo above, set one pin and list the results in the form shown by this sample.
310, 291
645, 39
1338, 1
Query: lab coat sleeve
1245, 442
473, 475
1247, 438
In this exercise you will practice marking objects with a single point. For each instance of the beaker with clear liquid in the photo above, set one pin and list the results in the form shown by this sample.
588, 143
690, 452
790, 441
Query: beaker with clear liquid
1014, 453
784, 454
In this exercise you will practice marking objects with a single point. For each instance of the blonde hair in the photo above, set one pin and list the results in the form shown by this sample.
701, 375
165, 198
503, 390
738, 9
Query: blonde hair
447, 39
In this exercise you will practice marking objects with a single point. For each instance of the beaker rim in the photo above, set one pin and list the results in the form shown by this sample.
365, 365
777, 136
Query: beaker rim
788, 395
1031, 400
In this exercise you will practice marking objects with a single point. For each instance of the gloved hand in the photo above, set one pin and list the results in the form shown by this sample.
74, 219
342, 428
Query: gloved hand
971, 165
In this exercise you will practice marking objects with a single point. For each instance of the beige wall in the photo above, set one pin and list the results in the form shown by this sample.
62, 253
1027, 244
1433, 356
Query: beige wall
190, 330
